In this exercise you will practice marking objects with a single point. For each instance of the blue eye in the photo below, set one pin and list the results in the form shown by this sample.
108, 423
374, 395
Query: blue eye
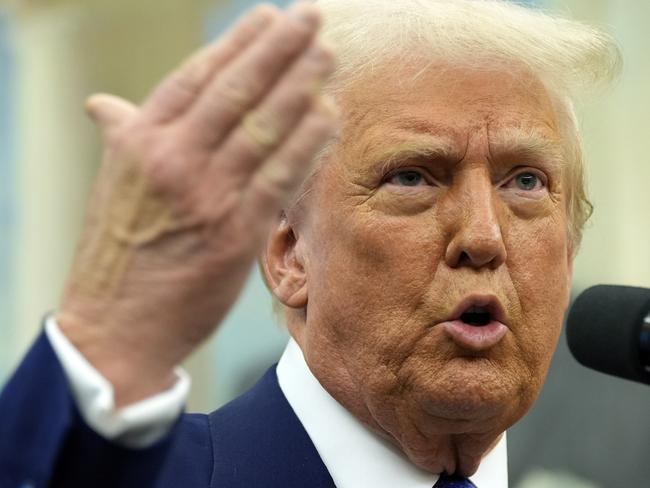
407, 178
526, 181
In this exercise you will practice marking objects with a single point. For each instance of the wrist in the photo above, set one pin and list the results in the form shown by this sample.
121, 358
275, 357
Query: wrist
124, 362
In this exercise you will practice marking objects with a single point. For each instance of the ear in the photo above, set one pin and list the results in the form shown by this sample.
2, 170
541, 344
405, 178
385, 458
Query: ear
283, 266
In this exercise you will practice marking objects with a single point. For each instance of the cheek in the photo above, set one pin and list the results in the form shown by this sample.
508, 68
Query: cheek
392, 256
538, 265
376, 269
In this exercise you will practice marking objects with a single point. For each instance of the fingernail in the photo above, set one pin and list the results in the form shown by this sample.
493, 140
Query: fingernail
306, 13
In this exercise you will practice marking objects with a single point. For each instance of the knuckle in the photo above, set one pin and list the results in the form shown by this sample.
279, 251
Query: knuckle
186, 82
165, 168
293, 101
236, 94
283, 50
303, 98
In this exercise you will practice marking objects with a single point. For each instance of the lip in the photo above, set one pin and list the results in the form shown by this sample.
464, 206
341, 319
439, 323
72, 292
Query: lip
475, 338
489, 302
472, 337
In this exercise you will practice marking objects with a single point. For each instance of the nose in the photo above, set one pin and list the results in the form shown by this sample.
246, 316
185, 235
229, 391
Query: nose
476, 239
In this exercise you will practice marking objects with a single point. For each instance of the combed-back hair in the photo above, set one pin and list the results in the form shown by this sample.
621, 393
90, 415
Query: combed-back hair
570, 58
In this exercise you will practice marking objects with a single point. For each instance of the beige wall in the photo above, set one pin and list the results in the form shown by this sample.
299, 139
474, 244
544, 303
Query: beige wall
617, 133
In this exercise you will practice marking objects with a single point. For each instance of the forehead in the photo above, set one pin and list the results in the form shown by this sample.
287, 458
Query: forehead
448, 106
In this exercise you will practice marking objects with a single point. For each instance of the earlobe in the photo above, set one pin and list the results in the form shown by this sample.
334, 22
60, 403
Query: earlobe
283, 266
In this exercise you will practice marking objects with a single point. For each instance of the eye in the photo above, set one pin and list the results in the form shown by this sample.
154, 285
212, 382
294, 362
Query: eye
407, 178
526, 181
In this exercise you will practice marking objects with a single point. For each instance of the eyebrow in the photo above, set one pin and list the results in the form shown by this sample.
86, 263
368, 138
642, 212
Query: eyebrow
414, 137
423, 139
527, 142
432, 148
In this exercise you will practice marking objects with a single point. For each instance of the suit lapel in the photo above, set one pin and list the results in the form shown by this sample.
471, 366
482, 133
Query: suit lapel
259, 441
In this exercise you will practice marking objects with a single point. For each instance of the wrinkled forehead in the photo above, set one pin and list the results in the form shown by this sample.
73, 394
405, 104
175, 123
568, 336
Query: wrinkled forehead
446, 106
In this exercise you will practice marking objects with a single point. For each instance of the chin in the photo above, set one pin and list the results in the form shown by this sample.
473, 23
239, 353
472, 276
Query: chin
473, 396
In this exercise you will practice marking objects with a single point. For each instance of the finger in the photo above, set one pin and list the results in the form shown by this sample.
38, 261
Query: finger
108, 111
265, 128
282, 174
248, 78
177, 93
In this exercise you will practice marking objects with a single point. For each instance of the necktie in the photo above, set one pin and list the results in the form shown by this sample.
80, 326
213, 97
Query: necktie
452, 481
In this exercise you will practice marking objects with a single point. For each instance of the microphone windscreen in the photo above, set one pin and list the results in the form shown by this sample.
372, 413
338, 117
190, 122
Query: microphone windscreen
604, 330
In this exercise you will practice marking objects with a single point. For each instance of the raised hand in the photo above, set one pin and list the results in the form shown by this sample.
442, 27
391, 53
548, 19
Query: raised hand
190, 183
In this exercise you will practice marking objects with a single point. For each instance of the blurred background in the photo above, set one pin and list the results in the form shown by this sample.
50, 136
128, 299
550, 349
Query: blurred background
587, 430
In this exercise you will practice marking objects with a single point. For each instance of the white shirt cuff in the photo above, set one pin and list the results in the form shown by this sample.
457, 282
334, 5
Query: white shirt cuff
136, 426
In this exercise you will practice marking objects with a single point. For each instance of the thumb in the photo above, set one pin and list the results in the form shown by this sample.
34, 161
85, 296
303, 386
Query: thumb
107, 111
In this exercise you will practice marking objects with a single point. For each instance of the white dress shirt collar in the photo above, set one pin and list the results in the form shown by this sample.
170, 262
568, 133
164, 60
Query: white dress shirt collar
355, 456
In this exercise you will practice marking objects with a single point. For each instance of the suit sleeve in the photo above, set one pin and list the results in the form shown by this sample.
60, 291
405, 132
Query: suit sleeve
44, 441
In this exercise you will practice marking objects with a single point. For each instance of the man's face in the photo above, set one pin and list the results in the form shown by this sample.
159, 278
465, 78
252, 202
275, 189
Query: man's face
437, 258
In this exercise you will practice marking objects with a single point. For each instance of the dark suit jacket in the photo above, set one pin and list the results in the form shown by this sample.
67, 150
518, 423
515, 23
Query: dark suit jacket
254, 441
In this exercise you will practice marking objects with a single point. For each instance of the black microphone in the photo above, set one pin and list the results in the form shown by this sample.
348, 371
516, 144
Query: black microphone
608, 329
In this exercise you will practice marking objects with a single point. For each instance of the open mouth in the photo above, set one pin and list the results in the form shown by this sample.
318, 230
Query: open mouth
476, 316
478, 323
479, 311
